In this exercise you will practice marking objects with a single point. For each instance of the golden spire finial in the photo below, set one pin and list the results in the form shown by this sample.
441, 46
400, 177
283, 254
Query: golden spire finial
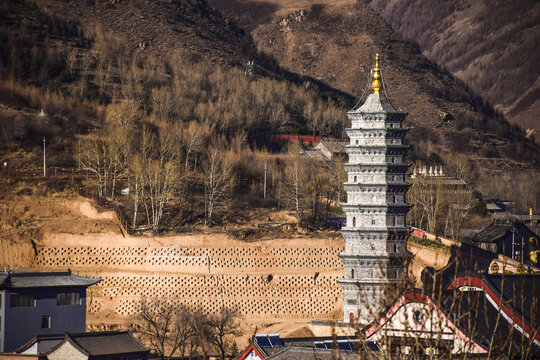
376, 84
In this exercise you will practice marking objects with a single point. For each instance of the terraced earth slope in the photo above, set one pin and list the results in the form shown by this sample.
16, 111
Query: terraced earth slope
278, 285
267, 281
283, 283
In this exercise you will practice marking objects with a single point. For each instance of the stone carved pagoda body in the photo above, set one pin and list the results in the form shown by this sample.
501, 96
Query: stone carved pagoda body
375, 235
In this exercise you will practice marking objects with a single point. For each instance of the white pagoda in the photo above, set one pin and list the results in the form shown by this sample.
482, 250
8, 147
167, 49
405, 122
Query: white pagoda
375, 254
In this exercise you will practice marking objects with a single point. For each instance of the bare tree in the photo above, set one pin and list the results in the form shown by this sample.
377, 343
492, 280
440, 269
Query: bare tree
293, 185
218, 181
459, 206
162, 102
223, 326
313, 116
136, 168
72, 60
94, 157
278, 118
166, 327
193, 140
200, 342
106, 153
426, 197
160, 177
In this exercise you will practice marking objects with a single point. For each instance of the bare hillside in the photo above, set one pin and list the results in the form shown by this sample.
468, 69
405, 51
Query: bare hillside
491, 46
336, 45
188, 28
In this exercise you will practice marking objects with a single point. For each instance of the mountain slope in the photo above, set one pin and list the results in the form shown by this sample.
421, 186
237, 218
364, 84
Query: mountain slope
336, 44
333, 44
187, 28
491, 46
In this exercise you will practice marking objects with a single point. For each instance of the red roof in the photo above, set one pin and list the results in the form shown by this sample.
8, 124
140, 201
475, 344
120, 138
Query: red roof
297, 138
246, 352
305, 138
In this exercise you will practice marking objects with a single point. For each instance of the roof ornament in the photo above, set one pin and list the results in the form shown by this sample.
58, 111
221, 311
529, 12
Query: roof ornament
376, 83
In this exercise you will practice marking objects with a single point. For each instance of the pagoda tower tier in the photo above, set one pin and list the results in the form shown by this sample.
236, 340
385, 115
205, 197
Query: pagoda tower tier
375, 253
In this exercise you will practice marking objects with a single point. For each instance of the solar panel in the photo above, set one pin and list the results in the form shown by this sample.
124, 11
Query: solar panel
319, 345
263, 340
275, 340
344, 345
373, 346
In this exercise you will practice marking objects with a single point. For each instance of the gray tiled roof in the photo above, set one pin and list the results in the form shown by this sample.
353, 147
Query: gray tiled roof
375, 103
17, 279
94, 343
309, 353
108, 343
492, 233
497, 230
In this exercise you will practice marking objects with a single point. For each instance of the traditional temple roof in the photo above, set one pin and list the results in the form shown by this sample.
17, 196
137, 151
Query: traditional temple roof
375, 103
497, 312
17, 279
92, 343
516, 297
497, 230
309, 353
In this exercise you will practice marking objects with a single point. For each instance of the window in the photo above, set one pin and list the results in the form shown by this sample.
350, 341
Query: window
352, 273
46, 322
395, 247
418, 317
353, 221
394, 221
23, 300
73, 298
355, 179
356, 142
372, 221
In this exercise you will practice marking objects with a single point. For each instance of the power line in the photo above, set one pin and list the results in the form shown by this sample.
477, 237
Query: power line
363, 92
386, 94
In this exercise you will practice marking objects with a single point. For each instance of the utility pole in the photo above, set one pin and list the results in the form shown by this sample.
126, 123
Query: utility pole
44, 159
513, 230
522, 248
265, 167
